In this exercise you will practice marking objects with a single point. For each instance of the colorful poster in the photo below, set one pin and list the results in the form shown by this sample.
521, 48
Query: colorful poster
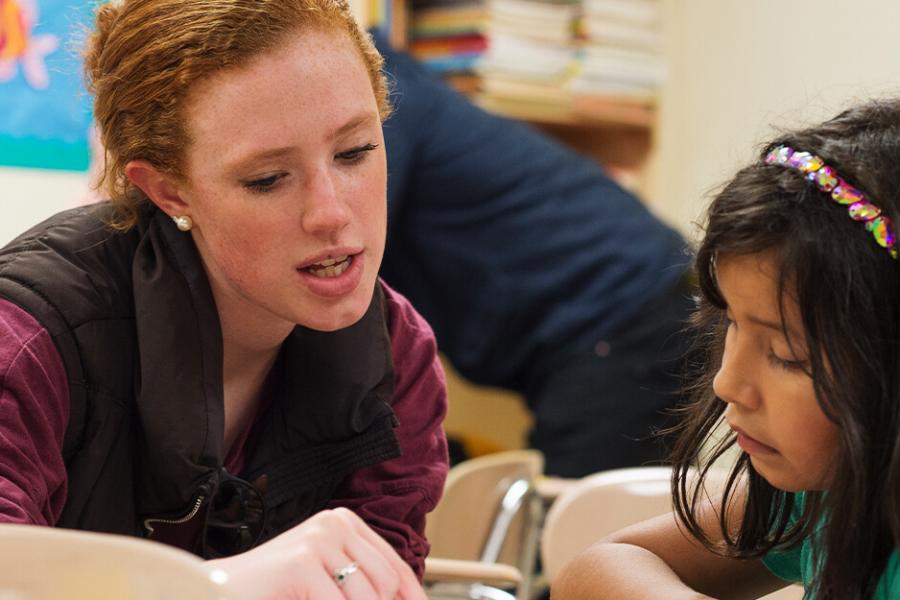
44, 109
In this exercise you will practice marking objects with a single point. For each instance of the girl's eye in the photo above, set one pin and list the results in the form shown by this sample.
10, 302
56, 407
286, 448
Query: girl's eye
264, 184
787, 365
355, 154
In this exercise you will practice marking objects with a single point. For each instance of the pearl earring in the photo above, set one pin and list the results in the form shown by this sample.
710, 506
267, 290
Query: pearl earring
183, 223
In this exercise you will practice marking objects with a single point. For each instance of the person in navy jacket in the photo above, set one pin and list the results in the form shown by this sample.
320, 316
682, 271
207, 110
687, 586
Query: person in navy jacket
537, 271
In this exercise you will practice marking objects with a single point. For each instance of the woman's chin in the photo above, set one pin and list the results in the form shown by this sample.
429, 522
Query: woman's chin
335, 318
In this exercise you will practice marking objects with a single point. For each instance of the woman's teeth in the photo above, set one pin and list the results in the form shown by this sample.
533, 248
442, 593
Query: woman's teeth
330, 267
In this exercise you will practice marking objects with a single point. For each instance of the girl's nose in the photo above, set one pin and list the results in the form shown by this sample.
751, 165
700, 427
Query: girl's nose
735, 381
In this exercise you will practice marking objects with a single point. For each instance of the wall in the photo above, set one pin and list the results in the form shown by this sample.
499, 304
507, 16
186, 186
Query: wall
31, 195
738, 68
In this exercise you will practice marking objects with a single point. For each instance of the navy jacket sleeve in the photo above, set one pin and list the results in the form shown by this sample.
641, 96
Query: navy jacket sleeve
509, 244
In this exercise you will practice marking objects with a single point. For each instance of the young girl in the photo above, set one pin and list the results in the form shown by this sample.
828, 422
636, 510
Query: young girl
209, 359
800, 293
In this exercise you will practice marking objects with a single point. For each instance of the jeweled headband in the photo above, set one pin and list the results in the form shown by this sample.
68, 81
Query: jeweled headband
826, 179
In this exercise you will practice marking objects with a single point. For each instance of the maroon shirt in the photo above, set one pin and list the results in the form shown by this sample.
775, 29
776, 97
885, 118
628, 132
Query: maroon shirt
393, 497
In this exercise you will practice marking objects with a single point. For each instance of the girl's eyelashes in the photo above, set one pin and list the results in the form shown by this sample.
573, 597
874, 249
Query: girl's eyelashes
264, 184
355, 154
786, 364
794, 365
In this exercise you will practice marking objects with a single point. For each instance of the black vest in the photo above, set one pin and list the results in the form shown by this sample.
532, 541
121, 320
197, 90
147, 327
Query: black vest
135, 323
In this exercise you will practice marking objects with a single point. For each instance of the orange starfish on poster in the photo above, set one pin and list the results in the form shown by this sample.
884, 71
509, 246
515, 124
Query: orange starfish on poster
20, 46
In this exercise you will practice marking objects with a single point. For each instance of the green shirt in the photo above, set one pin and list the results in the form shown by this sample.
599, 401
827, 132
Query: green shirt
795, 565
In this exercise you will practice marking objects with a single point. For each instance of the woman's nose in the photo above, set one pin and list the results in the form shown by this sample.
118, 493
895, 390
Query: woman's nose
324, 210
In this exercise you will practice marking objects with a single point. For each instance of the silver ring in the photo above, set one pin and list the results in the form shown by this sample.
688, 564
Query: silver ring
340, 576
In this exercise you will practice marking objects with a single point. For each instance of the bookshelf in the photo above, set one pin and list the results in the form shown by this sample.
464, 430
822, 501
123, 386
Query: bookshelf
602, 104
617, 134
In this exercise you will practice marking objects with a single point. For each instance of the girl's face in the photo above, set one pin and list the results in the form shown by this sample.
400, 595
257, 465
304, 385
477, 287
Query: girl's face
771, 402
286, 185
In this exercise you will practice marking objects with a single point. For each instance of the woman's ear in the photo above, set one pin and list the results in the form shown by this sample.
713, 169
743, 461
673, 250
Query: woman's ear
159, 187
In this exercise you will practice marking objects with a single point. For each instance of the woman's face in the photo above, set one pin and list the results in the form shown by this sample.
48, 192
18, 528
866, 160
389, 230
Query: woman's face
771, 401
286, 185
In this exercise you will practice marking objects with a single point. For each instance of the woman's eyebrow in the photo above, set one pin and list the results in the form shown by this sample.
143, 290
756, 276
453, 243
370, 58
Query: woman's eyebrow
357, 121
250, 159
263, 155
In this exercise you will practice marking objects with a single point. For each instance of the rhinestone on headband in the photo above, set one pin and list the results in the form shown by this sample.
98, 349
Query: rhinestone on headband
826, 179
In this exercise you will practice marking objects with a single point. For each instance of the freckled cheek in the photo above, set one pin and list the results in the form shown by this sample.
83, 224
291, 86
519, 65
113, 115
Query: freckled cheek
243, 257
370, 208
371, 184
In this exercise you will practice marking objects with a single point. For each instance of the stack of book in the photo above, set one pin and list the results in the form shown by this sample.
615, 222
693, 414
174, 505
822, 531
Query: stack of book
553, 60
518, 51
449, 36
531, 55
620, 54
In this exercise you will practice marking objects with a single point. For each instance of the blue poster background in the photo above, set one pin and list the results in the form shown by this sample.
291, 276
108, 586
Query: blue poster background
49, 127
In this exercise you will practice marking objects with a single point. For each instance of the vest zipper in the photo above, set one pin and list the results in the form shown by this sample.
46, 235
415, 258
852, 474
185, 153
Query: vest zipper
184, 519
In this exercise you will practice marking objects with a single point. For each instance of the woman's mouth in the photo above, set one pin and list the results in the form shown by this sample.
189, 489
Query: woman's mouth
334, 276
330, 267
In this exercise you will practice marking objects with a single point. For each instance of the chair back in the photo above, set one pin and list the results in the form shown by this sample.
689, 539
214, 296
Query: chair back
461, 524
602, 503
43, 563
598, 505
490, 515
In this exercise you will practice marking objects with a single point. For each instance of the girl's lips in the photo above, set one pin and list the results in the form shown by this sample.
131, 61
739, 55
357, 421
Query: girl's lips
752, 445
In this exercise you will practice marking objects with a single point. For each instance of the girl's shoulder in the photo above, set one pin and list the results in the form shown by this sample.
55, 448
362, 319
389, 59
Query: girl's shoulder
789, 563
889, 586
796, 564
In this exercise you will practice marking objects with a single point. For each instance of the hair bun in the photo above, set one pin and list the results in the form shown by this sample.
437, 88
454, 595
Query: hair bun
105, 20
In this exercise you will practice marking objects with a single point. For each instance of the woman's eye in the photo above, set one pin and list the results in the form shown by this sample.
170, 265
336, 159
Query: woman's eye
264, 184
355, 154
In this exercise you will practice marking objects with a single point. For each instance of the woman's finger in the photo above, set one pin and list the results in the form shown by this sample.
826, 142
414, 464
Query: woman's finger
379, 568
409, 586
367, 533
318, 585
350, 577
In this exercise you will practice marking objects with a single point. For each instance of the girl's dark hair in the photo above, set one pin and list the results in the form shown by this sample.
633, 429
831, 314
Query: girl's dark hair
848, 291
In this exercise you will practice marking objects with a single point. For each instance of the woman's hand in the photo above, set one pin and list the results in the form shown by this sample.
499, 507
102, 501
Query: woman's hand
300, 564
